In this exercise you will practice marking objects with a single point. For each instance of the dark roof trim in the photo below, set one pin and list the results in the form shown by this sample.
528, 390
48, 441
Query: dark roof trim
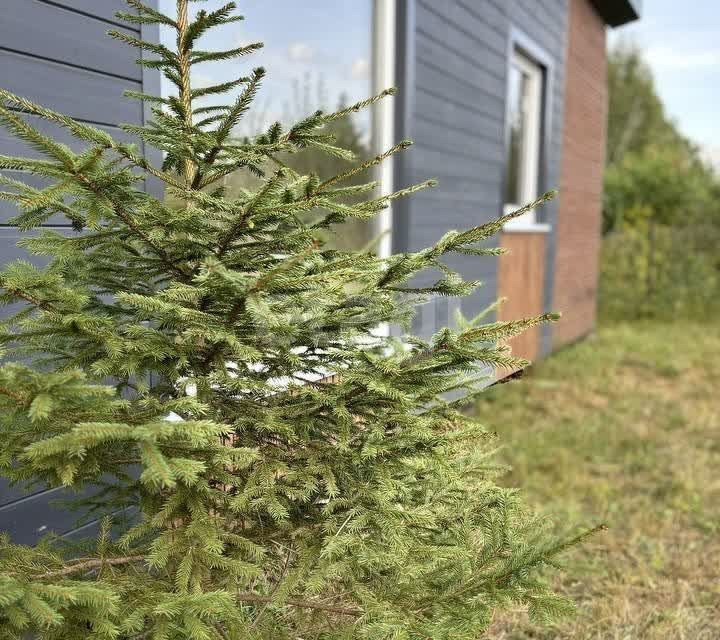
618, 12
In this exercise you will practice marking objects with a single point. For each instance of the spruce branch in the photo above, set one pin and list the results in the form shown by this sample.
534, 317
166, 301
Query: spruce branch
401, 146
86, 132
184, 40
42, 143
359, 106
213, 360
37, 302
230, 120
85, 565
166, 54
302, 604
19, 398
214, 56
133, 225
141, 163
145, 15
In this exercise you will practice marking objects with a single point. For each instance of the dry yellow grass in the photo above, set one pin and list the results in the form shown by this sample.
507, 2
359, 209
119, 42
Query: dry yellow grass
624, 429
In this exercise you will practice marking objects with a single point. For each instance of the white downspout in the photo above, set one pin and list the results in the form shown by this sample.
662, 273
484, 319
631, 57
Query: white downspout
383, 116
383, 119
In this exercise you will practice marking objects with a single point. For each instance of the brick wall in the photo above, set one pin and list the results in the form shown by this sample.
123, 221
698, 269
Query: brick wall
583, 157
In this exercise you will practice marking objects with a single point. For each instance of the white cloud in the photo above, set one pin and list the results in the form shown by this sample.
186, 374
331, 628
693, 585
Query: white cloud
360, 68
201, 81
662, 57
301, 52
711, 155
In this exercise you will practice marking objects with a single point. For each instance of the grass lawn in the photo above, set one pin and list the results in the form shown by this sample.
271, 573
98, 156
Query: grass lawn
624, 429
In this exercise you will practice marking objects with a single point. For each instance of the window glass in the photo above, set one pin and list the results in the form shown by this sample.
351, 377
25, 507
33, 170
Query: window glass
317, 55
516, 92
523, 136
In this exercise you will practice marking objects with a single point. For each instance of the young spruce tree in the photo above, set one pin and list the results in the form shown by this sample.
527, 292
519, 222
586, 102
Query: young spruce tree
184, 349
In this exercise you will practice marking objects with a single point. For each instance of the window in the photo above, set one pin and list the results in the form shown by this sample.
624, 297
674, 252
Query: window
326, 66
525, 93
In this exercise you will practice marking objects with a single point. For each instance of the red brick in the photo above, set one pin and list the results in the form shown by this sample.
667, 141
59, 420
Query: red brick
583, 160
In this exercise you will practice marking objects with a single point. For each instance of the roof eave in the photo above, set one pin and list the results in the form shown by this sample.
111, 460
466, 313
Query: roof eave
618, 12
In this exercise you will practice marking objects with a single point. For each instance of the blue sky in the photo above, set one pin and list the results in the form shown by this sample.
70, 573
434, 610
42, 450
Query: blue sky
329, 40
681, 40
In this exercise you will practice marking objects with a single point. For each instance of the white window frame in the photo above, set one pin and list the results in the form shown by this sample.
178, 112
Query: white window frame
530, 158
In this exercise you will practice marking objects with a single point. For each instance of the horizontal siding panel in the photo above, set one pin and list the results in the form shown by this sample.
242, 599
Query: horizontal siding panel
482, 188
483, 201
443, 199
468, 136
9, 493
82, 94
442, 209
9, 252
546, 26
487, 119
13, 146
104, 9
427, 100
8, 209
444, 165
471, 88
459, 64
433, 80
491, 12
48, 31
29, 519
448, 20
469, 144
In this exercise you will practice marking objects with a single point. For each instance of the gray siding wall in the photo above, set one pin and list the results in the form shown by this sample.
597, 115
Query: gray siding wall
57, 53
452, 73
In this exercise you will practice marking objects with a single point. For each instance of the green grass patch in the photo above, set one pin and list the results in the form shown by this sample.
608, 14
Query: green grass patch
624, 429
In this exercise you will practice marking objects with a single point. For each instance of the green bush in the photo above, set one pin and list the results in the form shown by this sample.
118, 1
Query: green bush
668, 185
651, 270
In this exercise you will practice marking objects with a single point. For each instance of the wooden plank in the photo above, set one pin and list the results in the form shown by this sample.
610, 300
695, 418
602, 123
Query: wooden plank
486, 130
491, 77
457, 88
439, 161
103, 9
82, 94
8, 209
9, 251
48, 31
121, 520
492, 12
10, 493
521, 278
478, 144
10, 145
449, 21
449, 103
27, 519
